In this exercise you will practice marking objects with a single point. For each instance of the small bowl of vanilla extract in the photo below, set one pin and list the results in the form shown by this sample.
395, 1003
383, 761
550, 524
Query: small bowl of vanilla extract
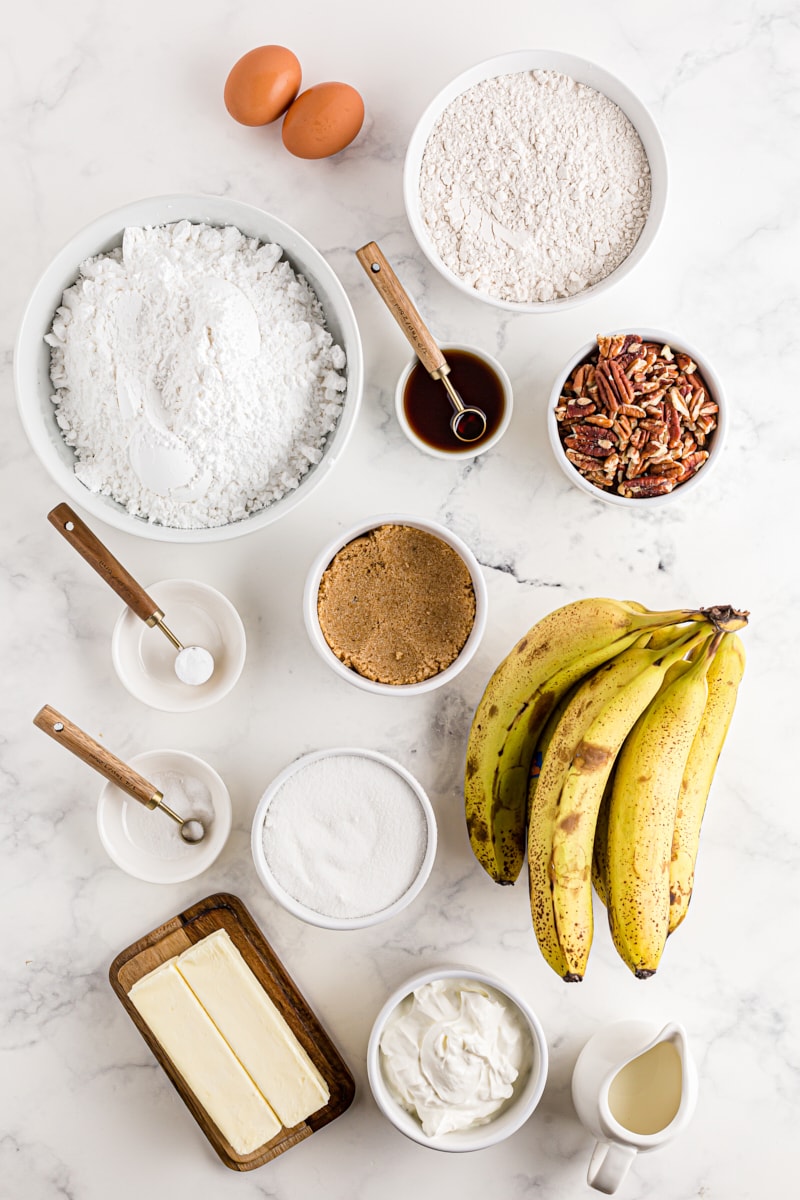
424, 411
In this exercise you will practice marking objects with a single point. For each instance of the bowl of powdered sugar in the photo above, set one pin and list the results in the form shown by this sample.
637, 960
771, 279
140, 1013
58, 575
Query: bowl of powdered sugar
188, 368
344, 838
535, 180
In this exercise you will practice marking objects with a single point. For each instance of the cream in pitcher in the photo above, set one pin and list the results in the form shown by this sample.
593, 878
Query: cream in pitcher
635, 1088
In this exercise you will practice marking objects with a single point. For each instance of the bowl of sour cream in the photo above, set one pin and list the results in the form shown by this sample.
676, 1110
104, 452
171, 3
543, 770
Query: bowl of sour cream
457, 1060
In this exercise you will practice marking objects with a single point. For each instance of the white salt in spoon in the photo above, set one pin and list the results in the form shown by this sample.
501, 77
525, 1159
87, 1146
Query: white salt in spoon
114, 769
193, 665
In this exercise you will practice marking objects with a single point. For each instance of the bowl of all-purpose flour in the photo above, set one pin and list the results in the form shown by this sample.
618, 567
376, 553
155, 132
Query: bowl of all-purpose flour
535, 180
188, 368
344, 838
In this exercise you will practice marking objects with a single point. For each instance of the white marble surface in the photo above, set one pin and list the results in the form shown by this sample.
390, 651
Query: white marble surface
104, 103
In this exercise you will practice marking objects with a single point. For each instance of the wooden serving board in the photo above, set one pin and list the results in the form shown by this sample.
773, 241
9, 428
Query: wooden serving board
224, 911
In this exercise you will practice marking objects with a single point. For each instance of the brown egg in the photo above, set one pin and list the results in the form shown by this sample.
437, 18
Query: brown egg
323, 120
262, 85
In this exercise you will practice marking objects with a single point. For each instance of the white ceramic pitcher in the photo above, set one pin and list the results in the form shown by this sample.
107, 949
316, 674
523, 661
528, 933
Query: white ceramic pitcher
635, 1088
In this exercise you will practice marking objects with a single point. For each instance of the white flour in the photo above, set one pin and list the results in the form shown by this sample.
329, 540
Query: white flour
196, 381
345, 835
533, 186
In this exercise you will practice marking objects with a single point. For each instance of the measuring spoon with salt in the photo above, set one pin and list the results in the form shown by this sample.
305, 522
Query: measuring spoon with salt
114, 769
193, 664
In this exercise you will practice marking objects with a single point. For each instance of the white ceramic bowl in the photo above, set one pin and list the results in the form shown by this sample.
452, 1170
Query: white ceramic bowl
32, 355
585, 72
302, 911
465, 450
198, 615
527, 1090
114, 809
715, 447
311, 616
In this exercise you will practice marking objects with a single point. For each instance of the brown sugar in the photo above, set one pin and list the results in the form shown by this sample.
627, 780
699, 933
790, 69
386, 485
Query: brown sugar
396, 605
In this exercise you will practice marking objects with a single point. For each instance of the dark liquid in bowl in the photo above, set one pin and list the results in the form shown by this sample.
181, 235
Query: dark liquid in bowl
428, 409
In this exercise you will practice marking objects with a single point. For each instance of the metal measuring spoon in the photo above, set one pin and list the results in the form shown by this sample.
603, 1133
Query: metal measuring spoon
467, 422
193, 664
114, 769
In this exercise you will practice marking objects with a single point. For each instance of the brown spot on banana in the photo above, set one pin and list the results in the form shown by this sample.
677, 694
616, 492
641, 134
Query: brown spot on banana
570, 823
591, 758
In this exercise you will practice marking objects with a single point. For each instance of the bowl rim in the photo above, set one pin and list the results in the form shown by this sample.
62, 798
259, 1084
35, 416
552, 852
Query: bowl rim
710, 375
296, 907
481, 1136
466, 453
601, 80
108, 228
223, 820
196, 698
323, 560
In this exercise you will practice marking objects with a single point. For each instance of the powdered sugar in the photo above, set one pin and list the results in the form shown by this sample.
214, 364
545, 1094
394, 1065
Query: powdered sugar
196, 380
533, 186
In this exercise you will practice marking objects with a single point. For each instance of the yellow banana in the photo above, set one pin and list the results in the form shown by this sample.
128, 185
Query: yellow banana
520, 696
641, 817
566, 851
600, 848
724, 676
561, 739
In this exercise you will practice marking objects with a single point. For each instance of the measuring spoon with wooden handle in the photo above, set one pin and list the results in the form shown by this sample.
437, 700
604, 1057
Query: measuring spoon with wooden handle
467, 423
113, 769
193, 664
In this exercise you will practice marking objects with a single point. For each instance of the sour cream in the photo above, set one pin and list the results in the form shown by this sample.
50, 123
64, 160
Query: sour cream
451, 1053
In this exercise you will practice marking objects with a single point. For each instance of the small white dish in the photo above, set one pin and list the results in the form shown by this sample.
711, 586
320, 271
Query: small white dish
314, 630
463, 450
302, 911
198, 615
583, 71
715, 446
527, 1090
119, 815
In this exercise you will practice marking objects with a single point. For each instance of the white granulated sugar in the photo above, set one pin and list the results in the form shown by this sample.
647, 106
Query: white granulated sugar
533, 186
345, 835
195, 378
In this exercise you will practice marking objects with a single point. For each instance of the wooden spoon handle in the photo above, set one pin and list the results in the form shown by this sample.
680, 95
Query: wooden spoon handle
400, 305
99, 557
95, 755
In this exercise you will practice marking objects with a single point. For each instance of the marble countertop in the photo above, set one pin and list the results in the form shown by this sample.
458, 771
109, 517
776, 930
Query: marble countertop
106, 103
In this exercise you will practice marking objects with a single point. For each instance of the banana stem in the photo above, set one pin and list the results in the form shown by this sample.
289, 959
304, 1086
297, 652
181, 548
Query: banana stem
723, 617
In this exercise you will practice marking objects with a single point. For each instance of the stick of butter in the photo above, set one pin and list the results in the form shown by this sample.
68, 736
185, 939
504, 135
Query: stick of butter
253, 1028
204, 1059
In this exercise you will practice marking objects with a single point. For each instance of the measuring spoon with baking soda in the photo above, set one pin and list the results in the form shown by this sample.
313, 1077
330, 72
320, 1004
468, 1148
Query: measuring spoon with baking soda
114, 769
467, 422
193, 664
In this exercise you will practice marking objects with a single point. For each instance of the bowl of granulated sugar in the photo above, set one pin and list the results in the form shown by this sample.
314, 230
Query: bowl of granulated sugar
344, 838
535, 180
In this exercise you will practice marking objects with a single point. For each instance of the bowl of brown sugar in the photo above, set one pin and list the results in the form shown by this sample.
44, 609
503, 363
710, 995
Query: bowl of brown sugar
396, 604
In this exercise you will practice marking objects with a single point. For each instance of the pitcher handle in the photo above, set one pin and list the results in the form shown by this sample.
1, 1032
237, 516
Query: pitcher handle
608, 1166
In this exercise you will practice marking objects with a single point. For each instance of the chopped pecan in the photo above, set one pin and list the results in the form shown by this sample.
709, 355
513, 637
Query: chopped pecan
623, 384
599, 419
647, 485
607, 394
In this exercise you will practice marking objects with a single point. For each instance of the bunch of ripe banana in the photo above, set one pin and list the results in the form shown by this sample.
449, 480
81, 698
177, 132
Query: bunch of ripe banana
592, 752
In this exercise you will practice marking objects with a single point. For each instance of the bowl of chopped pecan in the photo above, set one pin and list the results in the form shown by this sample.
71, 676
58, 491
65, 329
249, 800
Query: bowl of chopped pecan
637, 418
